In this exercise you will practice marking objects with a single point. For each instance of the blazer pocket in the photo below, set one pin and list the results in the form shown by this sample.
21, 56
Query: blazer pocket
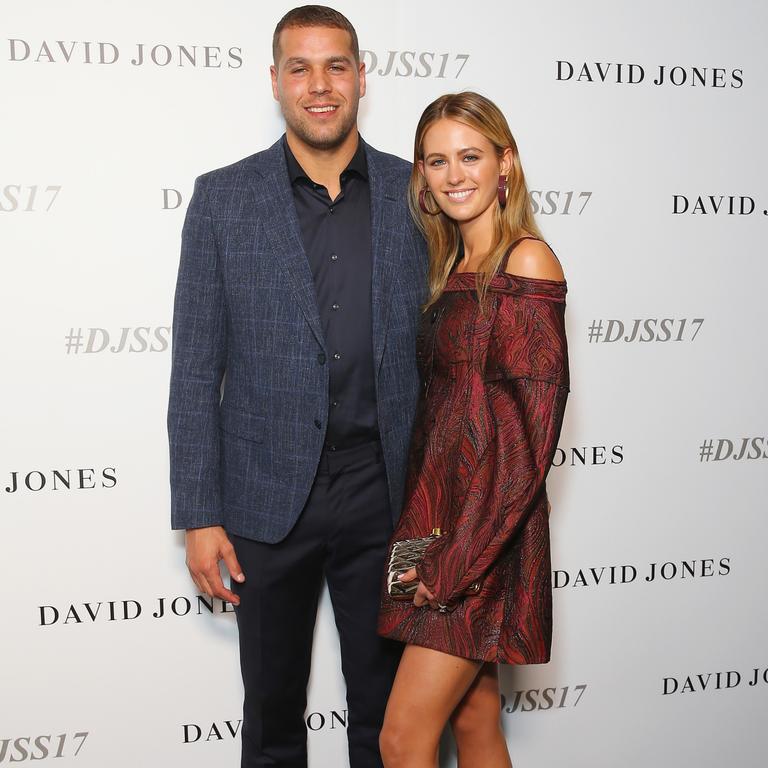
247, 425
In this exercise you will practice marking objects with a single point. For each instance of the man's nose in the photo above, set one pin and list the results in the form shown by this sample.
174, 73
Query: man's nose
319, 81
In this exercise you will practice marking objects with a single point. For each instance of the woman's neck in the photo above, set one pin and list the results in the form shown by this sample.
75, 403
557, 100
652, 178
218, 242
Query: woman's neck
477, 237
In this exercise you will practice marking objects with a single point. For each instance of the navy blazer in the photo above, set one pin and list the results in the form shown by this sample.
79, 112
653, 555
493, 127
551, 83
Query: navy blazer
249, 380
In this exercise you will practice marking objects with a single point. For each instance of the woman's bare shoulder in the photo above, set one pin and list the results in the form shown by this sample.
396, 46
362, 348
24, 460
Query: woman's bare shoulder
534, 258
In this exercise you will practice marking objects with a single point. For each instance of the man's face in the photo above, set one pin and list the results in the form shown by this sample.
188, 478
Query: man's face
318, 85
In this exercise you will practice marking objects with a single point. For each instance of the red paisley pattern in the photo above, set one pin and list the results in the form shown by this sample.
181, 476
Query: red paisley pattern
495, 384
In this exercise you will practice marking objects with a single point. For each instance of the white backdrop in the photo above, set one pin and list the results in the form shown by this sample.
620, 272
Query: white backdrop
653, 194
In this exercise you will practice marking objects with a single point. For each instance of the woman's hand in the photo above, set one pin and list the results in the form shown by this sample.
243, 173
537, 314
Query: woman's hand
423, 596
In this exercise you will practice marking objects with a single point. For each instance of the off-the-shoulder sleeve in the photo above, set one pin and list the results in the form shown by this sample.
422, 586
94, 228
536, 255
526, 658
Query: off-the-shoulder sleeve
514, 416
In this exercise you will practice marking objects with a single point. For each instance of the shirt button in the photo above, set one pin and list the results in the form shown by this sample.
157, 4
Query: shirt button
331, 447
330, 210
318, 423
335, 404
334, 257
321, 358
337, 355
334, 306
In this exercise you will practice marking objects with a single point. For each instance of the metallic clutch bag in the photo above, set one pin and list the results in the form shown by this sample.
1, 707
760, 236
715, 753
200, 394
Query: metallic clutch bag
405, 555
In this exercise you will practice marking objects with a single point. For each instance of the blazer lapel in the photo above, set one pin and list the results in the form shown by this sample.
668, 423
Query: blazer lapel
274, 198
387, 234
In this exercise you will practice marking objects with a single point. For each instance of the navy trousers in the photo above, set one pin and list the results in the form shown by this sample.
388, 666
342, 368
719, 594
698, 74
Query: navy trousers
342, 534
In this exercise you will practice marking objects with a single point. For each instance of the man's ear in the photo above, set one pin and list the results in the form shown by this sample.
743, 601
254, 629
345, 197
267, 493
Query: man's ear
361, 77
273, 77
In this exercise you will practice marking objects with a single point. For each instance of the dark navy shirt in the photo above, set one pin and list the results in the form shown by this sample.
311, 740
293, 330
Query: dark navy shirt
337, 241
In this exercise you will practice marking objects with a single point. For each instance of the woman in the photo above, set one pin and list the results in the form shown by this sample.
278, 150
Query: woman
493, 357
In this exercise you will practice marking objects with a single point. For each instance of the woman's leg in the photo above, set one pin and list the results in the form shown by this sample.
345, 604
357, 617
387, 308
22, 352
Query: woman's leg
428, 687
476, 724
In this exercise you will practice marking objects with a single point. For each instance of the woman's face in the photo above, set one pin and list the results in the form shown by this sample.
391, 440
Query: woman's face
462, 169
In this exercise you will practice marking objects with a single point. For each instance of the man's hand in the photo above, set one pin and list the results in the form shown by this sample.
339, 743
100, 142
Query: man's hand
423, 595
205, 547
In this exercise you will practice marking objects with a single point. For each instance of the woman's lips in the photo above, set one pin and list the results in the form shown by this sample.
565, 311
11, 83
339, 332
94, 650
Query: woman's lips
459, 195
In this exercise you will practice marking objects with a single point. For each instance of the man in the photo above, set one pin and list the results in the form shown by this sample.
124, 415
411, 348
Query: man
293, 388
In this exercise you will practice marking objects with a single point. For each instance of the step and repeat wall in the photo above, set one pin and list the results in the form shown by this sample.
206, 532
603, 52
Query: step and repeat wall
642, 131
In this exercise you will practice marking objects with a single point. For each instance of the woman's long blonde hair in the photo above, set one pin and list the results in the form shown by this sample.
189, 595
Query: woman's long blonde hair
442, 233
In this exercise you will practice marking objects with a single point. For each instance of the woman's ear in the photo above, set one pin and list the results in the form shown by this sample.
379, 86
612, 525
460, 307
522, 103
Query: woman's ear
420, 166
506, 161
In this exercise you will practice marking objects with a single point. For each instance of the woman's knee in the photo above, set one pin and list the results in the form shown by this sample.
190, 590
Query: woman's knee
402, 744
389, 746
476, 720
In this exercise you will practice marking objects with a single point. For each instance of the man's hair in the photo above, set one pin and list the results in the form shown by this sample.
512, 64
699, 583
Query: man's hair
314, 16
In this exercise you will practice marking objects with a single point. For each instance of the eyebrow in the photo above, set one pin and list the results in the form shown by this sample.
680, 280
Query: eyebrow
458, 152
330, 60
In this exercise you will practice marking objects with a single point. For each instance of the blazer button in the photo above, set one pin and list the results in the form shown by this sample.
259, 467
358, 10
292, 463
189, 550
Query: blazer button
321, 358
318, 423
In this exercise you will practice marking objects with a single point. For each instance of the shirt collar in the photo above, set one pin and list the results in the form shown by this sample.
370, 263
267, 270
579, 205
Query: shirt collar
358, 163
